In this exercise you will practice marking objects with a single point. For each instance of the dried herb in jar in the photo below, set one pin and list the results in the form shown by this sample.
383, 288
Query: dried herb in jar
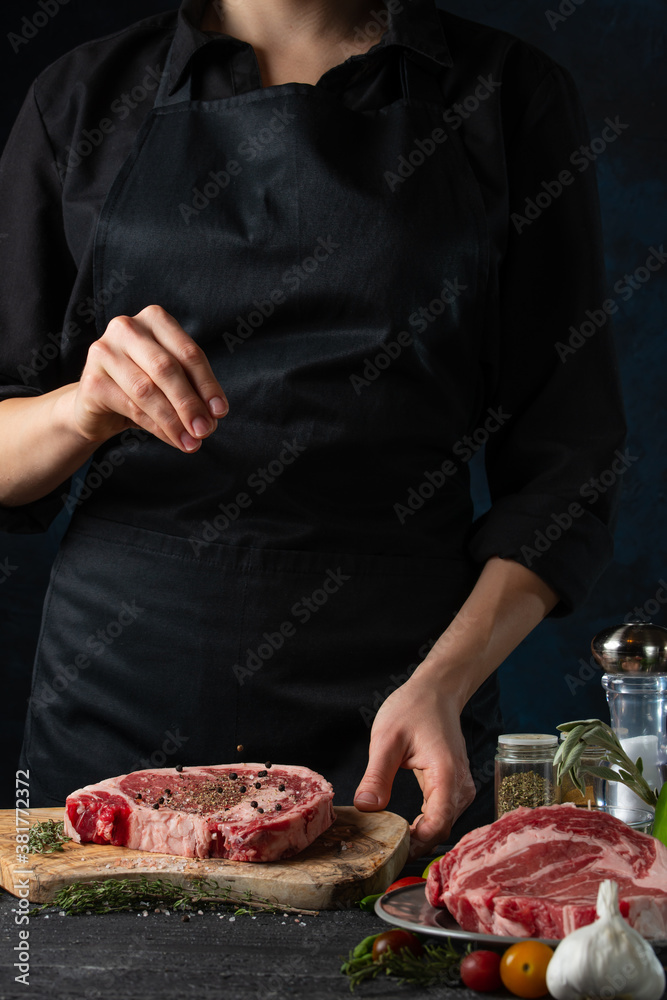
524, 788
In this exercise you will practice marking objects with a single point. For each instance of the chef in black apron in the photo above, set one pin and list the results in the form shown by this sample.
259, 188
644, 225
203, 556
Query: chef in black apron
264, 596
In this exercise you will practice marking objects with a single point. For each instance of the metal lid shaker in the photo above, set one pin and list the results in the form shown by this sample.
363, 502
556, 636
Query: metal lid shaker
634, 658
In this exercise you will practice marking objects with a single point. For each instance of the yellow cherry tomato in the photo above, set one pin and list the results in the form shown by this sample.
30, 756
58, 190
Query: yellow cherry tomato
523, 969
425, 872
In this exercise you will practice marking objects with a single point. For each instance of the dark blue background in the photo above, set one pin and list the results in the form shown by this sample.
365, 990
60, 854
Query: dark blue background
616, 53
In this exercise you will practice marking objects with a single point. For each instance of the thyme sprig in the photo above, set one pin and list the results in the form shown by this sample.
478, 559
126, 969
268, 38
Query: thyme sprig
46, 836
592, 733
117, 895
438, 965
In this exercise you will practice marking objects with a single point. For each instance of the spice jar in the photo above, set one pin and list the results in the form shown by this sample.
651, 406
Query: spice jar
525, 771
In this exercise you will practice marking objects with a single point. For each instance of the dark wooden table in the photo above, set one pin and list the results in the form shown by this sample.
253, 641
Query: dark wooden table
126, 956
129, 956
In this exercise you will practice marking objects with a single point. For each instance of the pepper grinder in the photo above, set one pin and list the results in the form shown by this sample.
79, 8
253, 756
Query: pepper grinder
634, 658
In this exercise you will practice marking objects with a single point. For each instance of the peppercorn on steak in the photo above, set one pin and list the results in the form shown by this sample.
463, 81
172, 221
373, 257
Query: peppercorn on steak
243, 812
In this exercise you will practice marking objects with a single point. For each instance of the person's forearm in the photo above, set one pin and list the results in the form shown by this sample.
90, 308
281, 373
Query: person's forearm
418, 726
506, 603
40, 445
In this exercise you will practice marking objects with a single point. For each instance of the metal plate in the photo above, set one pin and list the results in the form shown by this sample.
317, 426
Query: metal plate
408, 907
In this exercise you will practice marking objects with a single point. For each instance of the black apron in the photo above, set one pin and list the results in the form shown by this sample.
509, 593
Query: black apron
272, 589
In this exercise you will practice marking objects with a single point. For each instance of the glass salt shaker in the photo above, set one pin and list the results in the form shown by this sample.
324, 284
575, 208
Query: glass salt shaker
634, 658
524, 772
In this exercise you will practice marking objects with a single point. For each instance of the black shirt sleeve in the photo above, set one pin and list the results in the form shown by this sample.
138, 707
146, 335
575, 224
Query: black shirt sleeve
36, 276
556, 462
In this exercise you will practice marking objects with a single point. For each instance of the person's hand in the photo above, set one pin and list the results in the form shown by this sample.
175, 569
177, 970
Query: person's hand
146, 371
418, 727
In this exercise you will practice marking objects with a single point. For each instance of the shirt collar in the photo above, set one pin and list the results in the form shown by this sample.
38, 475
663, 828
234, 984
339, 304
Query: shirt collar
413, 24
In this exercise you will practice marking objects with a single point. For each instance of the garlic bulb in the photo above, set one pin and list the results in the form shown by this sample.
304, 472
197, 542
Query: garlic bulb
605, 959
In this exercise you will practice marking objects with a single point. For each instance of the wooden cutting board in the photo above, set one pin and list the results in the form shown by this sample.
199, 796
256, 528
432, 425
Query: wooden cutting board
360, 854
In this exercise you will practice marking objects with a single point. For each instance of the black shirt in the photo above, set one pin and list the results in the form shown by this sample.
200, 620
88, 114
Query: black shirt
548, 359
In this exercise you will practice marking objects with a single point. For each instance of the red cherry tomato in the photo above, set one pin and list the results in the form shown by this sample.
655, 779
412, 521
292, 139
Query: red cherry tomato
411, 880
481, 971
395, 941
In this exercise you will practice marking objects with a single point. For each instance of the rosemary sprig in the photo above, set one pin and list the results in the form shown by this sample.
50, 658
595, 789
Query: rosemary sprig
438, 966
116, 895
46, 837
593, 733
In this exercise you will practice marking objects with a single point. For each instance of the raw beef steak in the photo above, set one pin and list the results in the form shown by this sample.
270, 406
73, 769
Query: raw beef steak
244, 812
536, 872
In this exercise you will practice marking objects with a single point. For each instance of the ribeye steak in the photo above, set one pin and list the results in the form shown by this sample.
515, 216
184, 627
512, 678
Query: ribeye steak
536, 872
244, 812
